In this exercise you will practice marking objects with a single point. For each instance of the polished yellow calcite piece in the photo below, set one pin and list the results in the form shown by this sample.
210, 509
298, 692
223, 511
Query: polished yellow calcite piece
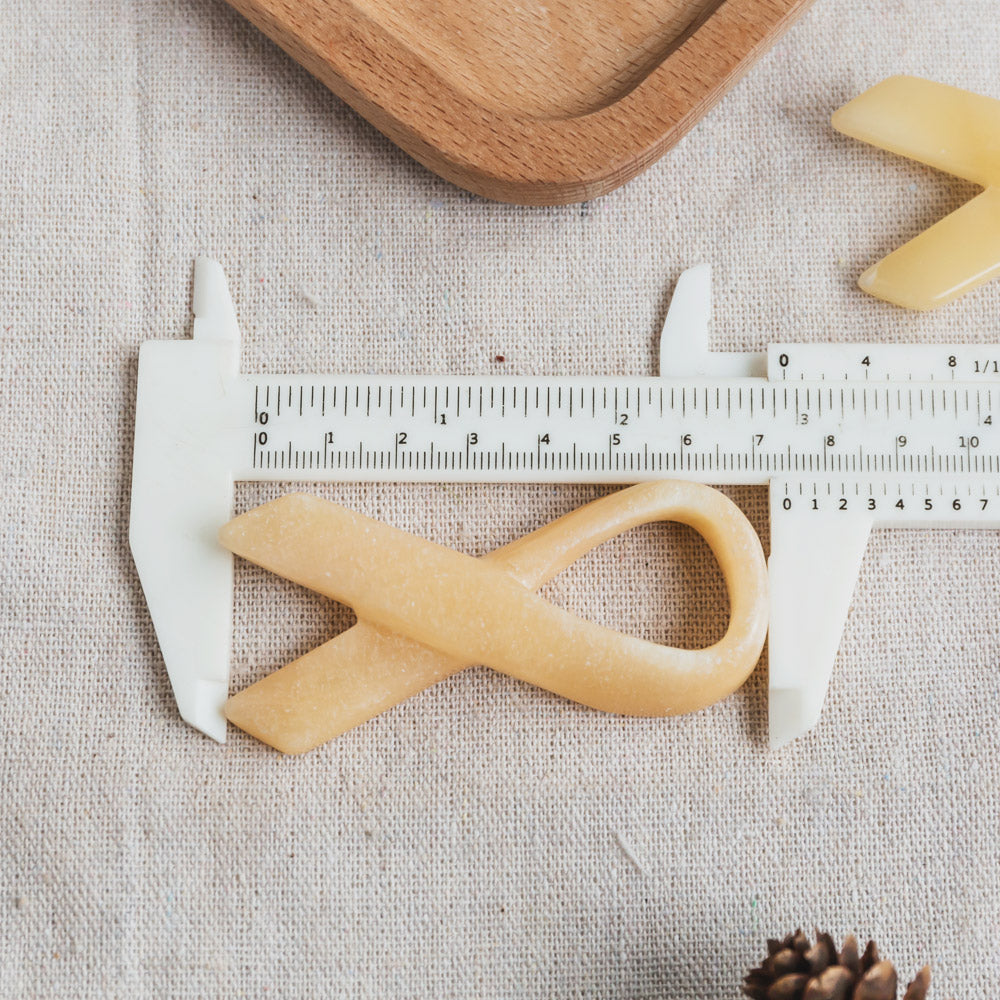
426, 611
955, 131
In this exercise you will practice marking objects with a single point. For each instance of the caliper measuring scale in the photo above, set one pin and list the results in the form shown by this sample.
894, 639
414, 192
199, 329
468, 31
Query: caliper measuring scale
846, 437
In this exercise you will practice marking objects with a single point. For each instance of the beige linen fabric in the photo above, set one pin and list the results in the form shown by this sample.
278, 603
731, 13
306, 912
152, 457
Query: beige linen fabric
486, 839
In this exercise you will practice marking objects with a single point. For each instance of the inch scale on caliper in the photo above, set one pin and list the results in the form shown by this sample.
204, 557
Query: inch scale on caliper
565, 429
846, 436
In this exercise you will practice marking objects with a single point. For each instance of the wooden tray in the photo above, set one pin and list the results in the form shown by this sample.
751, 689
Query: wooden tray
540, 102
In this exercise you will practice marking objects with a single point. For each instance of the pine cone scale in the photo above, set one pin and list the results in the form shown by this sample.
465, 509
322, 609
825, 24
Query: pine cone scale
849, 956
819, 956
785, 962
917, 990
878, 983
870, 957
789, 987
834, 984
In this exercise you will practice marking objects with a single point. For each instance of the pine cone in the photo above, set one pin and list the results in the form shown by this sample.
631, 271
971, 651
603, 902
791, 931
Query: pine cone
796, 970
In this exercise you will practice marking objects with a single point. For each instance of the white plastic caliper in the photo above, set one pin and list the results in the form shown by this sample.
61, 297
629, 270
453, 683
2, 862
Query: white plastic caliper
846, 436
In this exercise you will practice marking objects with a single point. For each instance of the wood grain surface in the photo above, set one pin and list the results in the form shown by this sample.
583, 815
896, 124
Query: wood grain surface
535, 103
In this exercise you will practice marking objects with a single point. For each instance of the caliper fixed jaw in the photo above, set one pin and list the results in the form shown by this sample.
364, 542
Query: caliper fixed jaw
182, 491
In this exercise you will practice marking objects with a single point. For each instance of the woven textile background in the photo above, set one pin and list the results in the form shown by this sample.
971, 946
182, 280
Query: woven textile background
486, 839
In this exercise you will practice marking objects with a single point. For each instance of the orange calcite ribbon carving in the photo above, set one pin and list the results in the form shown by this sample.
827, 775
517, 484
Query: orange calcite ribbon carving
426, 611
955, 131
